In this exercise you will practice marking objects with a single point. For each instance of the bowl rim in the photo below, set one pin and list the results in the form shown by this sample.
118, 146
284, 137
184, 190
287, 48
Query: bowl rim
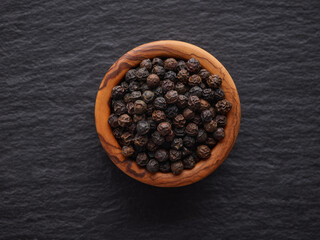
176, 49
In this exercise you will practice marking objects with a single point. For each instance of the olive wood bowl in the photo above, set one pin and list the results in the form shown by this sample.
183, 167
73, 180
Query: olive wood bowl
131, 59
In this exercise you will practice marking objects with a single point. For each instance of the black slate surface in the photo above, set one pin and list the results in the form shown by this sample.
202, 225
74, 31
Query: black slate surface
56, 181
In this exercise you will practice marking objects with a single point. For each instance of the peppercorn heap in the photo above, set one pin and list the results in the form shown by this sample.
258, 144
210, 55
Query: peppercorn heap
168, 115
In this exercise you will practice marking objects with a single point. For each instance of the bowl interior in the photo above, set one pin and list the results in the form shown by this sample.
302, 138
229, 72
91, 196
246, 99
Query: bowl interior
131, 59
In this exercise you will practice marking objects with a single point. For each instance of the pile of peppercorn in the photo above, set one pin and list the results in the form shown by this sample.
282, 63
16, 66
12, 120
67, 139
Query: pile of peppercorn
168, 115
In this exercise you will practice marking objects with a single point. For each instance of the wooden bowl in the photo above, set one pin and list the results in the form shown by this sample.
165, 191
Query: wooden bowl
130, 60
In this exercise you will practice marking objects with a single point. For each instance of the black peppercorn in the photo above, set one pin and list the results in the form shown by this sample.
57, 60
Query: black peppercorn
171, 76
138, 117
194, 80
171, 97
127, 97
188, 114
183, 76
202, 136
157, 61
140, 107
158, 116
218, 94
142, 159
219, 134
182, 101
124, 120
206, 116
160, 103
143, 127
195, 91
153, 166
177, 167
193, 65
119, 107
164, 128
144, 87
160, 71
157, 138
172, 111
214, 81
188, 141
179, 132
133, 86
189, 162
223, 106
142, 73
213, 111
204, 74
131, 128
126, 138
174, 155
197, 119
204, 105
181, 65
146, 63
170, 136
203, 151
208, 94
192, 129
152, 123
211, 142
179, 121
185, 152
117, 92
165, 167
167, 85
151, 146
221, 120
194, 103
135, 95
140, 141
153, 81
127, 151
113, 121
210, 126
130, 108
117, 132
147, 96
170, 64
161, 155
131, 75
150, 109
181, 88
177, 143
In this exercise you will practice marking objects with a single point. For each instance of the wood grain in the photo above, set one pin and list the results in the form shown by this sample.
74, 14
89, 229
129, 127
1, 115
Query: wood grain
167, 48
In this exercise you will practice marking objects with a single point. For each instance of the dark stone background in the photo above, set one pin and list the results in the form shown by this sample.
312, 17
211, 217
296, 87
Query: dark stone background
56, 181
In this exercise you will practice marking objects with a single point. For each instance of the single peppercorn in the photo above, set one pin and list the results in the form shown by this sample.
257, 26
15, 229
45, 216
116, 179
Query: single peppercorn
188, 114
117, 92
158, 92
147, 96
159, 70
170, 64
177, 143
193, 65
192, 129
181, 65
127, 151
157, 138
140, 140
117, 132
130, 108
174, 155
202, 136
219, 134
214, 81
144, 87
181, 88
151, 146
194, 103
183, 75
203, 151
221, 120
153, 166
158, 115
171, 76
204, 74
189, 162
170, 136
160, 103
126, 138
152, 123
194, 80
197, 119
188, 141
131, 75
113, 120
161, 155
165, 167
182, 101
206, 116
179, 132
179, 121
218, 94
223, 106
177, 167
142, 159
131, 128
196, 91
164, 128
138, 117
133, 86
146, 63
204, 105
167, 85
135, 95
185, 151
171, 97
140, 107
211, 142
153, 81
127, 98
142, 73
119, 107
124, 120
208, 94
210, 126
172, 111
157, 61
143, 127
